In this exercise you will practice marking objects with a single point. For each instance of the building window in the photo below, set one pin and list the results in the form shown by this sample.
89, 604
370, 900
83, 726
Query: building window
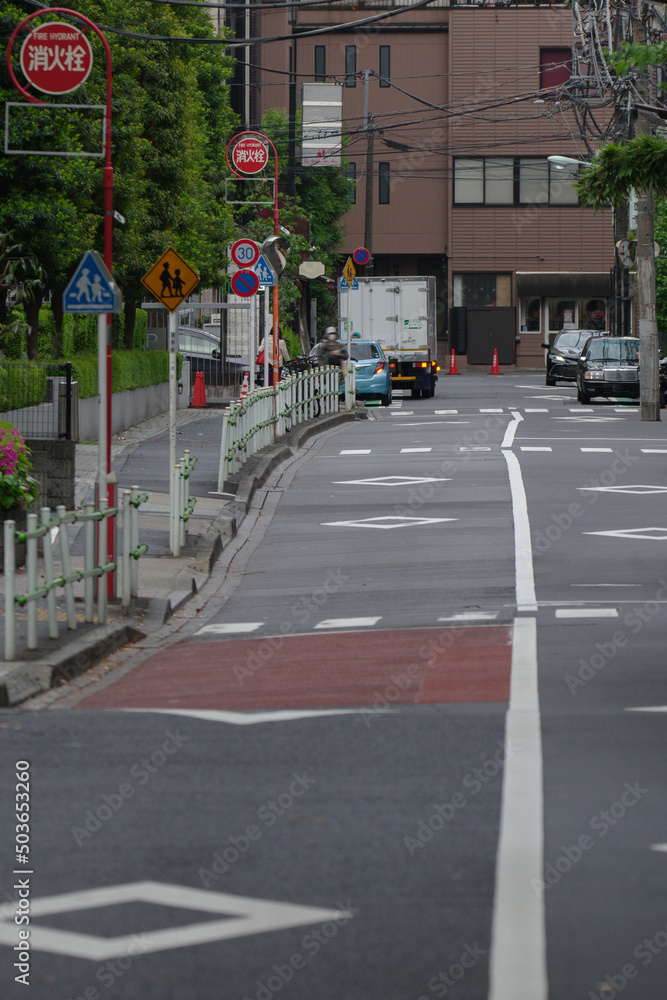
383, 183
555, 69
351, 174
320, 63
384, 65
494, 180
479, 291
531, 312
350, 65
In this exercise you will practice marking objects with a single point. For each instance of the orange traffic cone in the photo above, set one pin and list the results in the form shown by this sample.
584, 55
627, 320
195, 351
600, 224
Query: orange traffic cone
495, 368
245, 387
199, 393
453, 370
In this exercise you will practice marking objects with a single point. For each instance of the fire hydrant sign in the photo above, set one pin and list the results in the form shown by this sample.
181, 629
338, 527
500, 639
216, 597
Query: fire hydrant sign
249, 155
56, 58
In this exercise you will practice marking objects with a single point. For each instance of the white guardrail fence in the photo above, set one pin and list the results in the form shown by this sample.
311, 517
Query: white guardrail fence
184, 504
95, 565
267, 414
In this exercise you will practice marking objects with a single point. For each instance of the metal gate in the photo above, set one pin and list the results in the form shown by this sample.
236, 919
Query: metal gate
491, 329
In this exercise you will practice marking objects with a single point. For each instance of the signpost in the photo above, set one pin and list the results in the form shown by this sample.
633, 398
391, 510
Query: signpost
171, 280
56, 58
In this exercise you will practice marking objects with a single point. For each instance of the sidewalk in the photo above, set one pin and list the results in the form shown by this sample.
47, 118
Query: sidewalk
140, 456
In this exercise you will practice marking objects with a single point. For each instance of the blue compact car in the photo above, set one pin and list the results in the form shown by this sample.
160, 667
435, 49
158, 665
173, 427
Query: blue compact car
373, 377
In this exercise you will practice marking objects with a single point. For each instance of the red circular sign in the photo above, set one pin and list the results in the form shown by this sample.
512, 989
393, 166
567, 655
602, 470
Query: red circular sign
245, 283
249, 155
361, 256
245, 253
56, 58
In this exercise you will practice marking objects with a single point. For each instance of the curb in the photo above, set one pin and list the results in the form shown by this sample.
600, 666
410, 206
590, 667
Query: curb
27, 679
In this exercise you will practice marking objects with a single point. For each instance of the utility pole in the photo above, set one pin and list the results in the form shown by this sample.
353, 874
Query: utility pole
648, 327
368, 214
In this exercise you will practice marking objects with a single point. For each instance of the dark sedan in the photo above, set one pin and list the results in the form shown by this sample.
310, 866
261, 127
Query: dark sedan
564, 353
609, 366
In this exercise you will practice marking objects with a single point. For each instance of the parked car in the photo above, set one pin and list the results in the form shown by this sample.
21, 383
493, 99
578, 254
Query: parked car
373, 377
608, 366
564, 353
663, 383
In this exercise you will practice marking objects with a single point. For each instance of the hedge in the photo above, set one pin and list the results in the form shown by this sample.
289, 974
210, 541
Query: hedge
21, 385
79, 334
130, 370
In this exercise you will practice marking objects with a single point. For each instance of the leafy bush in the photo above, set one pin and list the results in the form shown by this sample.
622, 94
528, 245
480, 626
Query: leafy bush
130, 370
17, 486
21, 384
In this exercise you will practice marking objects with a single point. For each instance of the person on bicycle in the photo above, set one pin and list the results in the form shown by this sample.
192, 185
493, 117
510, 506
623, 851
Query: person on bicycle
331, 351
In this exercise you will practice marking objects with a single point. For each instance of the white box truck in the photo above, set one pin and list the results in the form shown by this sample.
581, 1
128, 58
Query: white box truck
398, 313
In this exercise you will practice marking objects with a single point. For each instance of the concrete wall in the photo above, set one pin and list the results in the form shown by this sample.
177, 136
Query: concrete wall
131, 407
53, 468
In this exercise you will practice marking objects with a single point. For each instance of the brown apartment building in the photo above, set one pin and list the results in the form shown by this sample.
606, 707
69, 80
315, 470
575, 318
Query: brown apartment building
465, 103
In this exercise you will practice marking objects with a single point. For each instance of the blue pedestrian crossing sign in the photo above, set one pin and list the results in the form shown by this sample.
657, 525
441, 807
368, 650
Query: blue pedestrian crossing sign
354, 286
91, 288
264, 272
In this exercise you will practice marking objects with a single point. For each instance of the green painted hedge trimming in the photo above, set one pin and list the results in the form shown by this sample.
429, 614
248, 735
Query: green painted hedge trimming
130, 370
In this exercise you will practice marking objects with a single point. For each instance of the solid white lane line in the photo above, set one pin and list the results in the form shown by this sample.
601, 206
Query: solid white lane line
510, 430
523, 550
348, 622
228, 628
587, 613
527, 447
518, 938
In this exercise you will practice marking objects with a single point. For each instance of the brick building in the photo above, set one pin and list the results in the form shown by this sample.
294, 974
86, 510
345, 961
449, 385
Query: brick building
465, 103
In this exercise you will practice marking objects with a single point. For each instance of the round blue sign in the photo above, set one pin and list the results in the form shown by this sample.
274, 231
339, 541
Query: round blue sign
245, 283
361, 256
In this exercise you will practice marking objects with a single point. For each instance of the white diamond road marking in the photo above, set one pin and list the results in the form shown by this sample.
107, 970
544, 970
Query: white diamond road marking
654, 451
229, 627
597, 450
248, 916
527, 447
348, 622
390, 481
355, 451
640, 490
471, 616
399, 522
414, 451
587, 613
657, 534
249, 718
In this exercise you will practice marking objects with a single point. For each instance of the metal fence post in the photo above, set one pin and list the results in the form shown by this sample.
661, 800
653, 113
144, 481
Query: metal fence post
134, 542
67, 567
31, 559
125, 557
89, 562
186, 494
47, 549
102, 582
10, 586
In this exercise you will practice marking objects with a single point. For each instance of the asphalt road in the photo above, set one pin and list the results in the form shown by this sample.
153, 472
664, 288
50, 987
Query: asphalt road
410, 742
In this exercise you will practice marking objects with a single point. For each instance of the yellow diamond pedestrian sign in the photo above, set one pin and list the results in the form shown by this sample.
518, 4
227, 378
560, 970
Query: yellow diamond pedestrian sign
349, 271
171, 279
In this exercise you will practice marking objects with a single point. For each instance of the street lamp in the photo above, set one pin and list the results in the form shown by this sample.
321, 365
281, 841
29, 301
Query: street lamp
560, 162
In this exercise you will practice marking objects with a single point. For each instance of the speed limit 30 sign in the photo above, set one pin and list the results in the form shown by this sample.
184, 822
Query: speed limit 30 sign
244, 252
